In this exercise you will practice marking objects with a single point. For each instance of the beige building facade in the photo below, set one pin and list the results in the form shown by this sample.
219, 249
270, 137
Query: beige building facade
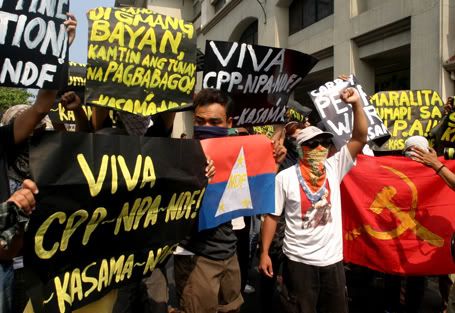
387, 44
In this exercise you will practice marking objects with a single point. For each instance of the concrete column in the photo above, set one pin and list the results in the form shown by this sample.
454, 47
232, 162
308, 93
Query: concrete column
426, 54
448, 44
342, 50
275, 32
362, 70
346, 57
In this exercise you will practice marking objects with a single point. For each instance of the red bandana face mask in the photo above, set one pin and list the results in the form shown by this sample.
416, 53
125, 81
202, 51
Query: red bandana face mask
313, 156
313, 160
314, 191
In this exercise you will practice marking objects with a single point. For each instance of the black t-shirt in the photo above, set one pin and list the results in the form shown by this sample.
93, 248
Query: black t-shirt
219, 243
158, 129
6, 145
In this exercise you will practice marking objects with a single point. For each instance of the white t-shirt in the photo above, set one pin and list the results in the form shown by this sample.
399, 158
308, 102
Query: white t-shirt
321, 245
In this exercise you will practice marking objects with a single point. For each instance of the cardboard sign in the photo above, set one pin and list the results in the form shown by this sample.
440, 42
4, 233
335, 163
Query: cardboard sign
139, 61
258, 78
337, 116
407, 113
33, 43
110, 208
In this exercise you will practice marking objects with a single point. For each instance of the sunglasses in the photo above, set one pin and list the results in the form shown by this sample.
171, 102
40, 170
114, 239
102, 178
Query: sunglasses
313, 143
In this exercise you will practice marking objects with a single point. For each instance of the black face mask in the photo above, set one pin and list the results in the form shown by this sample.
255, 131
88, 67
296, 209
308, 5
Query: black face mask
207, 132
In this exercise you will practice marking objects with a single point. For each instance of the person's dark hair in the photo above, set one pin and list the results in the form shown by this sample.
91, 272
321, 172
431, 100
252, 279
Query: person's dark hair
291, 127
209, 96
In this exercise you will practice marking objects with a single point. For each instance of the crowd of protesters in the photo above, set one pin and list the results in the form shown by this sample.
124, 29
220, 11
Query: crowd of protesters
301, 242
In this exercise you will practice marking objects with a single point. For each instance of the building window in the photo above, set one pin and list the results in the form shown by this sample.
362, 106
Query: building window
392, 69
218, 4
250, 34
399, 79
303, 13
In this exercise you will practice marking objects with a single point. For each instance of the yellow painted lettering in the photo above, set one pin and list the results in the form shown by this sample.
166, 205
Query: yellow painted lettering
126, 217
436, 112
76, 285
98, 215
103, 279
116, 267
152, 213
114, 185
100, 31
39, 237
131, 182
134, 35
425, 112
71, 227
128, 268
399, 126
94, 186
149, 39
88, 279
174, 42
62, 291
153, 260
148, 173
416, 128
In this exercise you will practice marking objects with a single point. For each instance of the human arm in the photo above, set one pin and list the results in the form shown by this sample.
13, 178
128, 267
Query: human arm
25, 123
430, 159
210, 169
71, 101
24, 198
12, 218
279, 150
360, 129
279, 153
267, 233
71, 25
448, 107
269, 225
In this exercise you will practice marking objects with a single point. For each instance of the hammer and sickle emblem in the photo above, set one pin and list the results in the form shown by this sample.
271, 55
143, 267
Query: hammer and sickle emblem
384, 200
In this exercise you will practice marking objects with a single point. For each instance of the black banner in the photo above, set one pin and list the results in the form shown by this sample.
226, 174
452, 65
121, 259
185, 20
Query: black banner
76, 83
139, 61
110, 208
443, 135
297, 112
407, 113
76, 78
258, 78
33, 43
337, 115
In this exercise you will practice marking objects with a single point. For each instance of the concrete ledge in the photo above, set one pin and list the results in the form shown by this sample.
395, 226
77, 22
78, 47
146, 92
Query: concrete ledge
220, 15
384, 32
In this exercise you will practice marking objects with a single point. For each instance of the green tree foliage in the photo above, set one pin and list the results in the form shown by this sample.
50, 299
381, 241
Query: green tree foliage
13, 96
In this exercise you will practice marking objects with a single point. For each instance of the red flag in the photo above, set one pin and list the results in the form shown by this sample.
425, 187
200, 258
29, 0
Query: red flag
398, 217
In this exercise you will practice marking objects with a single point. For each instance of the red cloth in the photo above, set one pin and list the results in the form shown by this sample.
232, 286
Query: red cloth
422, 213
